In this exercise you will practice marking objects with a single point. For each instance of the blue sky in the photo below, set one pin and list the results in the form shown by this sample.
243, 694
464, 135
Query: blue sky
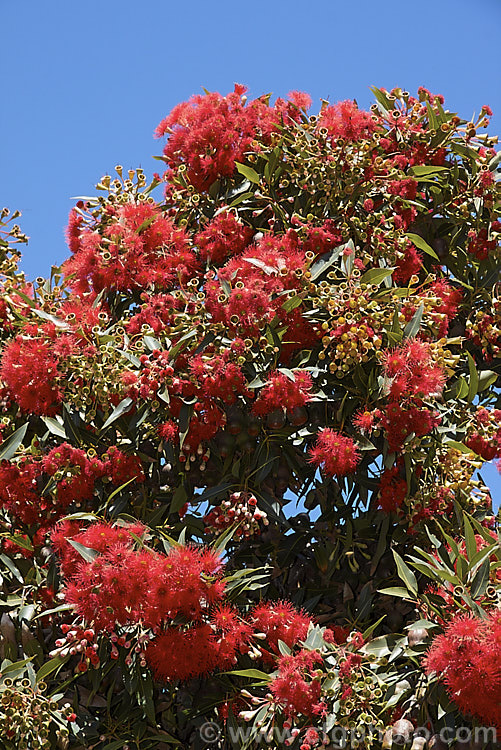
84, 85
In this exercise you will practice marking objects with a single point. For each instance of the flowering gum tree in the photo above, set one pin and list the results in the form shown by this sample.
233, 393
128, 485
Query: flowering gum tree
242, 433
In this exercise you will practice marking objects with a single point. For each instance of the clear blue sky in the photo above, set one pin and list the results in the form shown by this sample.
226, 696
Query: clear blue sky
84, 84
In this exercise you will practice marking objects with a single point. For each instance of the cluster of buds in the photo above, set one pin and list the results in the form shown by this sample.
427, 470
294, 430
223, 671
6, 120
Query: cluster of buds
133, 644
28, 719
78, 641
188, 456
241, 508
485, 330
350, 335
457, 471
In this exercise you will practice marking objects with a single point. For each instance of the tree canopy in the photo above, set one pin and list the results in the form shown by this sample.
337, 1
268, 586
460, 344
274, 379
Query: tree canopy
243, 428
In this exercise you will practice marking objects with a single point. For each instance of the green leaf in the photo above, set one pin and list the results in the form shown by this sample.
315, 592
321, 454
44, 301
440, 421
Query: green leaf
15, 666
146, 223
376, 276
11, 567
55, 427
395, 591
422, 245
256, 674
480, 580
272, 163
49, 667
178, 499
152, 343
406, 574
292, 303
473, 386
423, 171
248, 172
118, 490
54, 611
413, 325
486, 378
181, 344
87, 553
385, 104
327, 260
46, 316
495, 162
459, 446
20, 540
240, 199
10, 446
123, 407
115, 745
469, 538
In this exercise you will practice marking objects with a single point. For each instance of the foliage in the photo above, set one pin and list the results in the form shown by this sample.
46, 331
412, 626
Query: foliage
242, 434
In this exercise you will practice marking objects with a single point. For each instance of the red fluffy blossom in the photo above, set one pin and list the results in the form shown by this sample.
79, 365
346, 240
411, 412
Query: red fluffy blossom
219, 377
124, 586
406, 188
336, 634
320, 240
337, 454
210, 132
408, 265
467, 658
73, 229
281, 392
392, 490
18, 491
29, 370
123, 467
143, 248
345, 120
479, 245
169, 431
280, 621
364, 420
157, 312
75, 472
401, 420
412, 371
294, 686
222, 238
450, 299
300, 99
183, 654
100, 537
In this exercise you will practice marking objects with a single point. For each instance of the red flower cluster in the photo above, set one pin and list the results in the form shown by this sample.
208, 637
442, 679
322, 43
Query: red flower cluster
345, 120
29, 370
223, 238
294, 687
181, 653
337, 454
279, 621
209, 133
240, 508
74, 472
121, 587
467, 658
412, 371
282, 392
140, 248
392, 489
485, 439
74, 475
